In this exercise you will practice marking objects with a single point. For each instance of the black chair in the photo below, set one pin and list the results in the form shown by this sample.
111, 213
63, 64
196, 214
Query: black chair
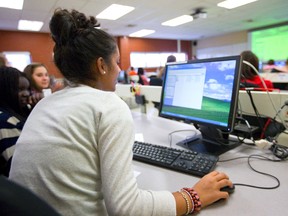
155, 81
16, 200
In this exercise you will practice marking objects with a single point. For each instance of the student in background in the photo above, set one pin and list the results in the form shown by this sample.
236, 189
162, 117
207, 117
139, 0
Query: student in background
269, 66
79, 158
249, 77
3, 60
132, 72
161, 74
14, 95
143, 80
133, 75
38, 76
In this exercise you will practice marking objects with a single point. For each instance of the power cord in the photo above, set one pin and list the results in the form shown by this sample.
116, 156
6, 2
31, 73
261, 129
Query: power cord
267, 90
260, 157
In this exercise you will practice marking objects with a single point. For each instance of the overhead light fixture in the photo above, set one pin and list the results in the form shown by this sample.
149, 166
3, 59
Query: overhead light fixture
12, 4
29, 25
114, 12
142, 33
230, 4
178, 20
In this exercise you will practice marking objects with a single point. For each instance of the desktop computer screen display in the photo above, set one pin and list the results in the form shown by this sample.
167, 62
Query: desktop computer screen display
203, 92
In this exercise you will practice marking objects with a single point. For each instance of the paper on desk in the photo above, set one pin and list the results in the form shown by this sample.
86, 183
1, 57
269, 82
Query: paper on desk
139, 137
136, 173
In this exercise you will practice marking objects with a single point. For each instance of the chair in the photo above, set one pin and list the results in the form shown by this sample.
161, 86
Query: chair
17, 200
155, 81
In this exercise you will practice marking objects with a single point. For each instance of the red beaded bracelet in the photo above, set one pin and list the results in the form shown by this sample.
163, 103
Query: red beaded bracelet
195, 198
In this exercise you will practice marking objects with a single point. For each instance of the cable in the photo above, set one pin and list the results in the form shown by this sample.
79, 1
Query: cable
260, 157
285, 104
279, 151
267, 90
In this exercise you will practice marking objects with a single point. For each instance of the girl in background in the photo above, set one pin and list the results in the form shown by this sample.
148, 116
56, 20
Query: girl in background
249, 76
14, 95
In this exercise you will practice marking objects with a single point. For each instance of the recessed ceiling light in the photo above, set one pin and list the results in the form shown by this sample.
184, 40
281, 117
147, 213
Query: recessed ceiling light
114, 12
12, 4
142, 33
230, 4
178, 20
29, 25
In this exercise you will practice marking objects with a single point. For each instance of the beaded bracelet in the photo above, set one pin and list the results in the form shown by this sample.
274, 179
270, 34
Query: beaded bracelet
187, 202
192, 210
195, 198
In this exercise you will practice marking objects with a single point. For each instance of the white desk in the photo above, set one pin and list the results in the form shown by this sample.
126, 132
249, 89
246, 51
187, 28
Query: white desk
276, 77
244, 201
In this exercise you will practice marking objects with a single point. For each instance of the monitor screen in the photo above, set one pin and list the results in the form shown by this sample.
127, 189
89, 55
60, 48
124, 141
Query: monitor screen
121, 77
203, 92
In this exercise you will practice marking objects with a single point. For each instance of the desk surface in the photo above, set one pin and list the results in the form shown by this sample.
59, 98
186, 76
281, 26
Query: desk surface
244, 201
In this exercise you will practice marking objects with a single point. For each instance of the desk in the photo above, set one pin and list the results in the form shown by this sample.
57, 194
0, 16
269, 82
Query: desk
279, 80
244, 201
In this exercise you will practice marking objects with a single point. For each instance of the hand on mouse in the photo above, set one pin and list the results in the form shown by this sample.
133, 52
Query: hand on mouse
209, 187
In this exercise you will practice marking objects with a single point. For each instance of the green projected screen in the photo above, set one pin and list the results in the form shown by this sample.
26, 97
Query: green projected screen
270, 43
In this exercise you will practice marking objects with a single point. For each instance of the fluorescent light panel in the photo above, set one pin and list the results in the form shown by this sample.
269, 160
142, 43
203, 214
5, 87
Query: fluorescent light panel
114, 12
230, 4
178, 20
12, 4
142, 33
29, 25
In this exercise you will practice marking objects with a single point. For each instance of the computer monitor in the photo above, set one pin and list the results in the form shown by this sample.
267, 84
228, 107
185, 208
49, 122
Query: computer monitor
121, 77
203, 92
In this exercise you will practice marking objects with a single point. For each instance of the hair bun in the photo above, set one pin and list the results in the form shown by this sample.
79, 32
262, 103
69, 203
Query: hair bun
65, 25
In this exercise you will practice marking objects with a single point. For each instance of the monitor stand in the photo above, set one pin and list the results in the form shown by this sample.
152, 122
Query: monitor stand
212, 141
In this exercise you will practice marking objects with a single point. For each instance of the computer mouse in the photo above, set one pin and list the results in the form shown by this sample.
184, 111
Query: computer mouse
228, 189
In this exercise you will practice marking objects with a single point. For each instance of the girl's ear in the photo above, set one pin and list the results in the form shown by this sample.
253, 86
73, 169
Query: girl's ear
101, 65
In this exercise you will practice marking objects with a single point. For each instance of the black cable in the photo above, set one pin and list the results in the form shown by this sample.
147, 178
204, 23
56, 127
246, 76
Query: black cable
255, 109
260, 157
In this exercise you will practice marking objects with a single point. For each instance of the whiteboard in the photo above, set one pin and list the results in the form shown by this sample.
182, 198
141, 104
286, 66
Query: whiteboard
17, 59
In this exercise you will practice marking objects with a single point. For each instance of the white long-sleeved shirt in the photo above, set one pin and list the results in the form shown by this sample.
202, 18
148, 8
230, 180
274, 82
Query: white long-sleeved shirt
75, 151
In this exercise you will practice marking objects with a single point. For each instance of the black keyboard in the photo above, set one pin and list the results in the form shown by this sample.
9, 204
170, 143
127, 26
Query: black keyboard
194, 163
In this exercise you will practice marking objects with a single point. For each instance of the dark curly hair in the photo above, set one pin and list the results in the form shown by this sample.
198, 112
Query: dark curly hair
78, 44
250, 57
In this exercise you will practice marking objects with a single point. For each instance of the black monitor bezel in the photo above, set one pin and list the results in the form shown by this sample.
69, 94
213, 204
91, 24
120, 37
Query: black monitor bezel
234, 98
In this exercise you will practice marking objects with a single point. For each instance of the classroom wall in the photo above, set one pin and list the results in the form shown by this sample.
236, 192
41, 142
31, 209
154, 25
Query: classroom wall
128, 45
225, 45
40, 45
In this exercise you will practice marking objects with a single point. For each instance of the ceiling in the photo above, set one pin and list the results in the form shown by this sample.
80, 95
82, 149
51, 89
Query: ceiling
149, 14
